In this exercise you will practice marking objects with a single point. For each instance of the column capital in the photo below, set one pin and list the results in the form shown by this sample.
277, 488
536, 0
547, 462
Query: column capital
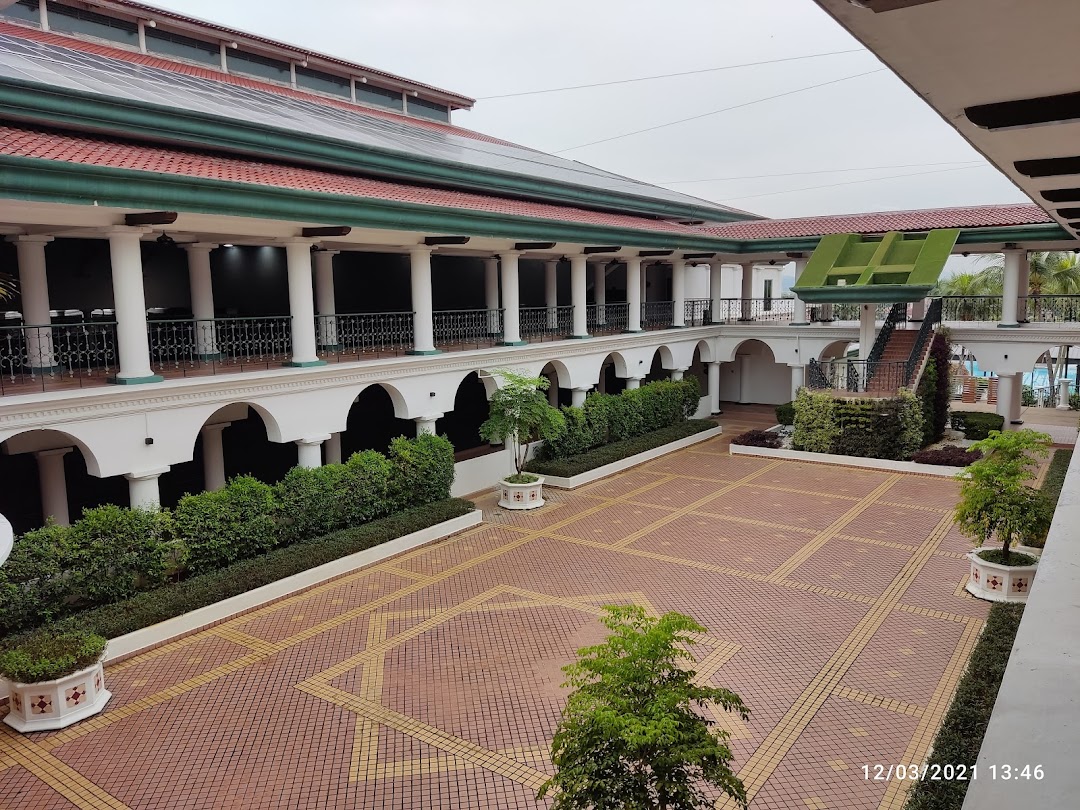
585, 388
313, 439
216, 426
635, 377
551, 262
420, 250
429, 417
327, 252
509, 254
146, 475
31, 238
295, 240
199, 246
138, 231
60, 451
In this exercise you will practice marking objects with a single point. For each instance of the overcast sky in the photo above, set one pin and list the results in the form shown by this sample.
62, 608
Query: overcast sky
492, 47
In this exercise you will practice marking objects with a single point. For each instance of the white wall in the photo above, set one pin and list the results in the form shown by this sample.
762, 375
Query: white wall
755, 377
731, 280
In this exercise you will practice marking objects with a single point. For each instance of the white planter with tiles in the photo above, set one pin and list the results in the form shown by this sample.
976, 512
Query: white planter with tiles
50, 705
521, 496
999, 583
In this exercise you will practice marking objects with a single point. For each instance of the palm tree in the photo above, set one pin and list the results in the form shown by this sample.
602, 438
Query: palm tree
967, 286
7, 287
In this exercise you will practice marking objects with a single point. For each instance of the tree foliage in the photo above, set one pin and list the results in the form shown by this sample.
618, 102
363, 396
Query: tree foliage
995, 499
519, 412
632, 736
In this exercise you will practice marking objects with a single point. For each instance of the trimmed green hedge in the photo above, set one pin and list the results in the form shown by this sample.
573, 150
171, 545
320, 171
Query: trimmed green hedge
49, 656
977, 424
961, 734
1051, 488
167, 601
607, 418
785, 414
111, 553
865, 428
617, 451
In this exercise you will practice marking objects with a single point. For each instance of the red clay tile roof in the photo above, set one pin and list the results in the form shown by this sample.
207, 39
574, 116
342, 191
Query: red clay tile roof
980, 216
69, 148
51, 38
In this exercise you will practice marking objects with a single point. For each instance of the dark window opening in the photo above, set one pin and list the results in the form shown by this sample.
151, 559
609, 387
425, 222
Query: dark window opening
170, 44
322, 82
24, 10
1062, 195
429, 109
80, 21
1069, 213
1026, 112
262, 67
380, 96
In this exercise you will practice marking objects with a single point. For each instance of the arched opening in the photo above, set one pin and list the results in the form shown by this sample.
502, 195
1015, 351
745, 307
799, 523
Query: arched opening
372, 423
462, 425
835, 350
45, 475
610, 380
557, 395
754, 376
656, 369
699, 370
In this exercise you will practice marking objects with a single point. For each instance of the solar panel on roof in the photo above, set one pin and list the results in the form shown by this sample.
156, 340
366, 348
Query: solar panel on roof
67, 68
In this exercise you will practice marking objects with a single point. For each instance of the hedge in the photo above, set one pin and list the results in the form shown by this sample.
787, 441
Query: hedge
49, 656
865, 428
607, 418
934, 390
112, 552
1051, 486
961, 734
785, 414
977, 424
617, 451
167, 601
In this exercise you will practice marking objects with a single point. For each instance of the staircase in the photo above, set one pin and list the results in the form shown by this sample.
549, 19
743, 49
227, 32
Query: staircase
890, 373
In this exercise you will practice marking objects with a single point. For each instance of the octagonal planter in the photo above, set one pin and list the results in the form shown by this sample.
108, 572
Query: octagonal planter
999, 583
521, 496
50, 705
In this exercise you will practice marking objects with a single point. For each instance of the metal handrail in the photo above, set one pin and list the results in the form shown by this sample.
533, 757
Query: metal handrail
931, 319
606, 319
354, 334
546, 323
467, 327
897, 314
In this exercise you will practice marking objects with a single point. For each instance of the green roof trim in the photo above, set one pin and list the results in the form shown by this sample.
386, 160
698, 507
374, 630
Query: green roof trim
897, 267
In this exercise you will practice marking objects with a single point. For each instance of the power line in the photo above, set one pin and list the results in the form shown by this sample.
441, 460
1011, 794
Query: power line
671, 75
717, 112
819, 171
854, 182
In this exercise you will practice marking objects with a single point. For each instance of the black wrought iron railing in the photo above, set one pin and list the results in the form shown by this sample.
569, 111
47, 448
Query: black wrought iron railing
607, 319
1050, 308
697, 312
34, 358
926, 331
208, 346
970, 307
371, 334
546, 323
857, 376
657, 314
467, 328
897, 314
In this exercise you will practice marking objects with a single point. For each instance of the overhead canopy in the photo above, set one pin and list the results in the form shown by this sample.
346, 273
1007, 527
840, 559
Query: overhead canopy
893, 268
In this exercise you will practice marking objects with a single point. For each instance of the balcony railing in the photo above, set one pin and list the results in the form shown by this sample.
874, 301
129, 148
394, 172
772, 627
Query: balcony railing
657, 314
607, 319
1050, 308
546, 323
364, 334
56, 356
869, 377
467, 328
971, 308
697, 312
223, 344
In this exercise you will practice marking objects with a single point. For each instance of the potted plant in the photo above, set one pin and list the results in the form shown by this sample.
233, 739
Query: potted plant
996, 501
518, 413
56, 680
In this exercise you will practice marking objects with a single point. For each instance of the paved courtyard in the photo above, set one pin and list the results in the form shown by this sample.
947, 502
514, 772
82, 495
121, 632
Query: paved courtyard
433, 680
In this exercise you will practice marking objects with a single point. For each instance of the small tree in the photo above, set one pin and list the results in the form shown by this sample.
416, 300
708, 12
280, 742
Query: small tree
995, 499
631, 737
519, 412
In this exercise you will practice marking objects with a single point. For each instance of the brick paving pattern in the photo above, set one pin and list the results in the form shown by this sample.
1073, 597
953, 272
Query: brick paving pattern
434, 679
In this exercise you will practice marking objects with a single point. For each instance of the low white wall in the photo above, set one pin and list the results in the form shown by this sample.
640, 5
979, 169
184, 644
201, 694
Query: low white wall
848, 461
704, 408
480, 474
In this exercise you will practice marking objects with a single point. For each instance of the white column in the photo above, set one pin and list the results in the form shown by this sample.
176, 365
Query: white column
716, 272
633, 382
34, 289
1015, 407
714, 388
510, 299
1006, 384
798, 379
332, 449
1023, 288
1063, 394
491, 293
301, 303
600, 291
746, 292
202, 298
213, 457
426, 424
677, 373
633, 295
867, 329
551, 292
918, 310
325, 299
143, 490
577, 395
129, 301
53, 483
1010, 290
553, 394
799, 317
420, 281
578, 293
644, 282
678, 293
309, 451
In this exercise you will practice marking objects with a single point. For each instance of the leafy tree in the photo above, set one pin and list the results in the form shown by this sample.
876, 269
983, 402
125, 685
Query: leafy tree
8, 287
631, 736
519, 412
995, 499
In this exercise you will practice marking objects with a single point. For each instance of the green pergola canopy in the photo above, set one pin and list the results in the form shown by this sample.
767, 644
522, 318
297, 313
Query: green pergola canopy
894, 268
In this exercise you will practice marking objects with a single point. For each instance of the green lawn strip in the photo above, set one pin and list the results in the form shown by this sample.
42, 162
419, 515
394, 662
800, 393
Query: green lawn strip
617, 451
151, 607
1052, 483
961, 734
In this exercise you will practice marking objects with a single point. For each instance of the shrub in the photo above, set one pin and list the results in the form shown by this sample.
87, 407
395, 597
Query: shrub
785, 414
948, 456
958, 741
758, 438
816, 427
865, 428
616, 451
421, 471
977, 424
227, 525
1027, 397
49, 656
934, 389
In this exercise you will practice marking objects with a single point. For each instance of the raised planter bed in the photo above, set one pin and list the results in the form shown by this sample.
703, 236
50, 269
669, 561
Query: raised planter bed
529, 495
848, 461
51, 705
999, 583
